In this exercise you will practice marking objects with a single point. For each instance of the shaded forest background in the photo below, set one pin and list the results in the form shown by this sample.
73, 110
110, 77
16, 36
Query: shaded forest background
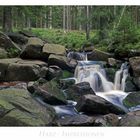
109, 28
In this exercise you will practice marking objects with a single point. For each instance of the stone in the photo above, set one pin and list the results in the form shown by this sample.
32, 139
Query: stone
76, 120
54, 49
3, 53
112, 61
18, 38
33, 49
110, 72
135, 66
92, 104
60, 61
107, 120
131, 119
53, 72
130, 86
97, 55
7, 44
26, 33
18, 108
20, 70
50, 93
132, 99
136, 81
76, 91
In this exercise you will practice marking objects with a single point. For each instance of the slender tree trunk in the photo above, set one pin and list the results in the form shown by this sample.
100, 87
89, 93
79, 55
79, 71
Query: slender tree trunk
87, 23
80, 14
50, 18
64, 18
7, 18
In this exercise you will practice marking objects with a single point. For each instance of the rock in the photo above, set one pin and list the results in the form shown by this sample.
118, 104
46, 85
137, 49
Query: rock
92, 104
131, 119
50, 92
66, 83
60, 61
20, 70
5, 43
112, 62
107, 120
75, 92
33, 49
18, 38
26, 33
54, 49
3, 53
76, 120
97, 55
136, 81
130, 86
135, 66
133, 99
53, 71
18, 108
110, 72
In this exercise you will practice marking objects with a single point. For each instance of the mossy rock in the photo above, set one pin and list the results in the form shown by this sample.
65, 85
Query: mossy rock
3, 53
18, 108
133, 99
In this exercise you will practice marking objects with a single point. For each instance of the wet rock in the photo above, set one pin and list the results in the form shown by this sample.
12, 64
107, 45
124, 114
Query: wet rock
110, 72
18, 38
75, 92
66, 83
97, 55
3, 53
135, 66
18, 108
131, 119
33, 49
136, 81
50, 92
92, 104
76, 120
130, 86
133, 99
20, 70
54, 49
60, 61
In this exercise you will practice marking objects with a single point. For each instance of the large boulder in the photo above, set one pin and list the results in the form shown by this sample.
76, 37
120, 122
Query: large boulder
97, 55
20, 70
18, 108
7, 44
75, 92
131, 119
54, 49
92, 104
26, 33
18, 38
132, 99
135, 66
60, 61
33, 49
50, 92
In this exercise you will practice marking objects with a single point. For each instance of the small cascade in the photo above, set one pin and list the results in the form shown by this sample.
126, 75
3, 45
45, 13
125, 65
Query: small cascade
77, 56
120, 77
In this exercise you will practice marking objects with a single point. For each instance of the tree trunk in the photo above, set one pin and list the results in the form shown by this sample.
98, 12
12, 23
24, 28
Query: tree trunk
50, 18
7, 19
87, 23
64, 18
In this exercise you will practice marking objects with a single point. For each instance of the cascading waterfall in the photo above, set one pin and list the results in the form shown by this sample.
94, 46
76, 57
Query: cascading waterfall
89, 71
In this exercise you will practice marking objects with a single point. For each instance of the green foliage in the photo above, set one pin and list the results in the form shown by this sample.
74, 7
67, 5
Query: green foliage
12, 52
70, 39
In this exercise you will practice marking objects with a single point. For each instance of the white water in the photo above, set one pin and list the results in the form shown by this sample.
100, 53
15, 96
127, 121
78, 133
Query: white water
95, 75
